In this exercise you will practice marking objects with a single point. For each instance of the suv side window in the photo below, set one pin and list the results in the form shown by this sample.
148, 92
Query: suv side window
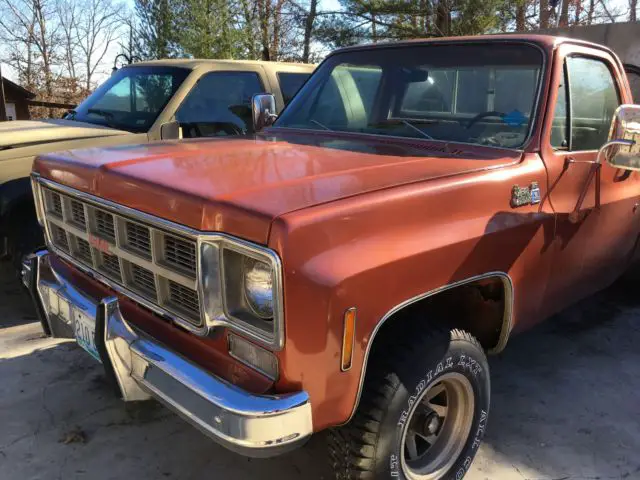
290, 83
219, 105
594, 98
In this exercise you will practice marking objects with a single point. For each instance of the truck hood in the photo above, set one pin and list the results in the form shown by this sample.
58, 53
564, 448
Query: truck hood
240, 185
32, 132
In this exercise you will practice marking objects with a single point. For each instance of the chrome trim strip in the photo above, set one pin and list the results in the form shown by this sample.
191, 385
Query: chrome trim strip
250, 424
505, 330
214, 316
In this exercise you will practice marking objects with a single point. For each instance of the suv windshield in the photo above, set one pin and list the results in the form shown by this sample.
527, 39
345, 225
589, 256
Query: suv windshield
472, 93
131, 99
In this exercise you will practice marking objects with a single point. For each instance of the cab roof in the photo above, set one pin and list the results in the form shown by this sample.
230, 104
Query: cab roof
193, 63
547, 42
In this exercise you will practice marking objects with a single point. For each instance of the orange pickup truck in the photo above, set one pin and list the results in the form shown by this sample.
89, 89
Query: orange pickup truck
350, 266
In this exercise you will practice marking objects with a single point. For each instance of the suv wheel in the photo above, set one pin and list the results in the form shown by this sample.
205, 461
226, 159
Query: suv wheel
422, 414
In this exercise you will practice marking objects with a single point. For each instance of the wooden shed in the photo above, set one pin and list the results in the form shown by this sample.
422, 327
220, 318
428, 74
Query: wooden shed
16, 100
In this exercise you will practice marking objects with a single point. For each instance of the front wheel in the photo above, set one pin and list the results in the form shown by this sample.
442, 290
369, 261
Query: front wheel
423, 411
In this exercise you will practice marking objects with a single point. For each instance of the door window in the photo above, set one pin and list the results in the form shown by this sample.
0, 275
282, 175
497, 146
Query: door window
219, 105
290, 83
594, 99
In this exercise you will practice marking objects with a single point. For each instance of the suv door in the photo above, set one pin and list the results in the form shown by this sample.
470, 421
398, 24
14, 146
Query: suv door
593, 236
220, 104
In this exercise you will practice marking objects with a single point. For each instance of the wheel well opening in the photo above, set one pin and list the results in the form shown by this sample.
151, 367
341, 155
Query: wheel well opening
481, 307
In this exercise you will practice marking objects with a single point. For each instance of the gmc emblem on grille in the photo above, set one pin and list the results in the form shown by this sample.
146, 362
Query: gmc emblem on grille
99, 243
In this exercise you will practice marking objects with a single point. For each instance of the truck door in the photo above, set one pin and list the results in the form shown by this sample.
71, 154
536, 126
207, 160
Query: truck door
596, 224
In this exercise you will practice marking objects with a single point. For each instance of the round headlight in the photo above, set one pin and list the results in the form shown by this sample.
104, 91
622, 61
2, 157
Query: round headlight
258, 287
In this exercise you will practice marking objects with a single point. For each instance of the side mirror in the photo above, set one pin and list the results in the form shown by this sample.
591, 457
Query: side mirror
171, 131
623, 148
263, 110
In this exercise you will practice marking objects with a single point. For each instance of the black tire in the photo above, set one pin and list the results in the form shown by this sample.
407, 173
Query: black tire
25, 234
371, 445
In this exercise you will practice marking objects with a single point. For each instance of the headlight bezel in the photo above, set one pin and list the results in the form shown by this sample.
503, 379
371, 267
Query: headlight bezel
214, 271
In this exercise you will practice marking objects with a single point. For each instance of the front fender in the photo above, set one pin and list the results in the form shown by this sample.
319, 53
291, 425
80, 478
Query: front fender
378, 251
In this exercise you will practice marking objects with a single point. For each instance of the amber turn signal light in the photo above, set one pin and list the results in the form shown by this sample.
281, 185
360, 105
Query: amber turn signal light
348, 338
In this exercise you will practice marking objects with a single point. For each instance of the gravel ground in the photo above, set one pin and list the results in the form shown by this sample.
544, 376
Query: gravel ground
565, 405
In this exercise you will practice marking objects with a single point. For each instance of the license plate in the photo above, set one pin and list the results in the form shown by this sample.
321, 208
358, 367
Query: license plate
85, 330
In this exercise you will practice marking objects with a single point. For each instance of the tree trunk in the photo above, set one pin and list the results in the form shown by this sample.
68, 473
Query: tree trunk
443, 18
521, 19
592, 9
308, 30
265, 12
633, 9
544, 13
564, 14
578, 12
374, 31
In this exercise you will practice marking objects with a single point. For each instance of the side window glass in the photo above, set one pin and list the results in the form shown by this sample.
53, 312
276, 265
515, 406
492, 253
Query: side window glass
290, 83
594, 99
219, 105
559, 130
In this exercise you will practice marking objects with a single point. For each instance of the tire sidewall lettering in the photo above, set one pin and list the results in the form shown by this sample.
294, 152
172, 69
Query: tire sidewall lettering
457, 362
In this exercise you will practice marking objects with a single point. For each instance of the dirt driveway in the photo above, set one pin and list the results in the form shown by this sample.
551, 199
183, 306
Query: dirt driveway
565, 405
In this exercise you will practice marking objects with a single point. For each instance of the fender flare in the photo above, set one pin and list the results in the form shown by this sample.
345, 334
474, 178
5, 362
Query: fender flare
505, 331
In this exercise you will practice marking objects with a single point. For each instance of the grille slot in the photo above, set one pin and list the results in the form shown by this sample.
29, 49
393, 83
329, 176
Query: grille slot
110, 265
183, 298
105, 226
59, 237
83, 250
77, 213
138, 239
143, 280
54, 204
180, 253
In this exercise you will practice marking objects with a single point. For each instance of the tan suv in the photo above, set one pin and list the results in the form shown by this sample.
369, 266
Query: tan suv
142, 103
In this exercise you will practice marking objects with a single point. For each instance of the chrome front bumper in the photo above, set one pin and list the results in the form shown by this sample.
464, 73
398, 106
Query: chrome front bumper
253, 425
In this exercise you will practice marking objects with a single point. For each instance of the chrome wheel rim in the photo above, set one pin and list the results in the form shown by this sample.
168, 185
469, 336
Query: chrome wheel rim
437, 427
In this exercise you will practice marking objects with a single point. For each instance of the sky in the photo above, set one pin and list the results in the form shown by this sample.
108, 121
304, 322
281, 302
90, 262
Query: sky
330, 5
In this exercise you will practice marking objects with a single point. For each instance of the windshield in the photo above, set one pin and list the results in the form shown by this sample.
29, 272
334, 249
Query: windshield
131, 99
472, 93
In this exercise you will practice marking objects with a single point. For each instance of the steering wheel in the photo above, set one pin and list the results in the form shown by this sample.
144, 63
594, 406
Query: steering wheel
482, 115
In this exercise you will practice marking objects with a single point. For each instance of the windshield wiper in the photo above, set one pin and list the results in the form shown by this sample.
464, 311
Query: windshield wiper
320, 125
411, 124
424, 134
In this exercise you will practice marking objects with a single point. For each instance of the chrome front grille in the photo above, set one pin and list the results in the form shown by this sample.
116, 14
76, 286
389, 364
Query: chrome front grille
157, 266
